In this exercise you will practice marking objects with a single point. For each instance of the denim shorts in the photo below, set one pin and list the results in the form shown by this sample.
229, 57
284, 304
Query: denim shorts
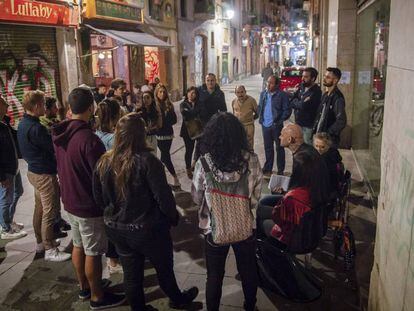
89, 234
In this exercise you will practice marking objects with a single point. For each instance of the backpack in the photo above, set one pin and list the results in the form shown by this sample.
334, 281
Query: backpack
231, 217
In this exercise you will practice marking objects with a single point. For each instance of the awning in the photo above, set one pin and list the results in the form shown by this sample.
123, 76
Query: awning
132, 37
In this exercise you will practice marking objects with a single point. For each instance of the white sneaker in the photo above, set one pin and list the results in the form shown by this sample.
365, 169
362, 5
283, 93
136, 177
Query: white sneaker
55, 255
40, 248
12, 234
17, 226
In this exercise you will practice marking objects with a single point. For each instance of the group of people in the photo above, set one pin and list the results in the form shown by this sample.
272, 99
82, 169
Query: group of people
102, 163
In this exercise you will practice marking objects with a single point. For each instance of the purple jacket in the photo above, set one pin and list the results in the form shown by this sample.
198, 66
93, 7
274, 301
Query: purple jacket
78, 150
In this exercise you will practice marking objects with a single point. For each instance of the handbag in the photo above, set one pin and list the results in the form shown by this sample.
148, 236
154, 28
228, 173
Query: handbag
194, 128
231, 217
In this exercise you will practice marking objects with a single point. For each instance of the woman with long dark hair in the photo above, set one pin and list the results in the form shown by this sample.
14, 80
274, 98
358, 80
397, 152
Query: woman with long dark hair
227, 161
107, 116
151, 114
165, 134
139, 210
278, 215
191, 126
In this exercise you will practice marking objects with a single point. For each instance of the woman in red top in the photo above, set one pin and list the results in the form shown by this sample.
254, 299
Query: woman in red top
279, 214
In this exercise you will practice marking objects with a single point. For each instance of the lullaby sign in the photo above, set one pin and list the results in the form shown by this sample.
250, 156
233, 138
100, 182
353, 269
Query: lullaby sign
36, 12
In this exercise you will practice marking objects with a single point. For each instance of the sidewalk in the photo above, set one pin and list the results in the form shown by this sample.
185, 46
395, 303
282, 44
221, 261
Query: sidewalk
29, 283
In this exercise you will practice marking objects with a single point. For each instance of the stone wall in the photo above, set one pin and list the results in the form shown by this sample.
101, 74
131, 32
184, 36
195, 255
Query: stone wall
392, 278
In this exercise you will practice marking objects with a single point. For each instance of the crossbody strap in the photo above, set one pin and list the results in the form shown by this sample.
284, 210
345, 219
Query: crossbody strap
205, 165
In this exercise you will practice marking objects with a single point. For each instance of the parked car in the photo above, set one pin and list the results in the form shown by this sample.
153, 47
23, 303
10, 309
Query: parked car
290, 79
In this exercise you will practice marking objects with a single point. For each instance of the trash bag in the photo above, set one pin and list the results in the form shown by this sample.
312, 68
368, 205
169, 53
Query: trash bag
281, 273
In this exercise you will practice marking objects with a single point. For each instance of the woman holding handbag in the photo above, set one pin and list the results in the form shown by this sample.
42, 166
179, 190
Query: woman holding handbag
165, 134
191, 127
227, 185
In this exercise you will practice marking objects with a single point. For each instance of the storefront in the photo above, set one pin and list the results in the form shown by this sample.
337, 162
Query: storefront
28, 53
369, 91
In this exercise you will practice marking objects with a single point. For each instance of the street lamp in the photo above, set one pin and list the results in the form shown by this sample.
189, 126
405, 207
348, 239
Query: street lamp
229, 14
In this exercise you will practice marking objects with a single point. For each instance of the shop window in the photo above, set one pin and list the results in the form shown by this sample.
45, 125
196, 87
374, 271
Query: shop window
102, 63
204, 7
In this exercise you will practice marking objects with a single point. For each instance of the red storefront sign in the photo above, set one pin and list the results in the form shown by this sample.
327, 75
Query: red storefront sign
36, 12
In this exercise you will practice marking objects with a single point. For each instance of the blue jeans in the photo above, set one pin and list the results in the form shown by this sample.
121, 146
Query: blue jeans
9, 196
270, 137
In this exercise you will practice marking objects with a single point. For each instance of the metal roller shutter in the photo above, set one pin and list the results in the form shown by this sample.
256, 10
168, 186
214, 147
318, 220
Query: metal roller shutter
28, 61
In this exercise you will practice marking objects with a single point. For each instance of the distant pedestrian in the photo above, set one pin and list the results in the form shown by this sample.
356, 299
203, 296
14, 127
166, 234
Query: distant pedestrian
37, 150
211, 99
11, 187
191, 127
306, 101
100, 93
139, 207
78, 150
245, 109
229, 168
151, 114
273, 110
50, 117
119, 92
165, 133
136, 96
276, 69
266, 73
331, 115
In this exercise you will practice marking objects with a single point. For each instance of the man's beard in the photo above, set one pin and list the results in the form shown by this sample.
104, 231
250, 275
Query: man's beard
306, 84
327, 84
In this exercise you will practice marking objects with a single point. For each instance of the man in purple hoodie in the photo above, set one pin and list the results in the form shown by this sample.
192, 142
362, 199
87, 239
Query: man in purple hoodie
78, 150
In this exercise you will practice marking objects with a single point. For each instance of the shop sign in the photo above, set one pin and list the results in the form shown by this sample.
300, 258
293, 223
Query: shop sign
117, 11
35, 12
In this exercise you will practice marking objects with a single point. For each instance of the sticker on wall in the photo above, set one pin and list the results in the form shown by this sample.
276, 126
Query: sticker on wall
346, 77
364, 77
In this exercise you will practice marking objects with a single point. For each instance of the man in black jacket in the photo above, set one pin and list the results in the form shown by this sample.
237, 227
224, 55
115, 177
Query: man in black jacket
9, 182
331, 115
211, 98
306, 101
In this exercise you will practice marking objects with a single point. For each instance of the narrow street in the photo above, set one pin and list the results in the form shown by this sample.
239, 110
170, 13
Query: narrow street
29, 283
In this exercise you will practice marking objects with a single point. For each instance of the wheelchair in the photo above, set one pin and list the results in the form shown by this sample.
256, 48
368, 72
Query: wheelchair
279, 269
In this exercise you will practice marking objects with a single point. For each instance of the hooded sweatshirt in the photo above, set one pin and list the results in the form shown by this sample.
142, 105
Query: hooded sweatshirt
78, 150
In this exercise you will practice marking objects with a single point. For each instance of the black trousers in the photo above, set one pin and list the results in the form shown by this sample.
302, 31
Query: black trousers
189, 149
245, 253
133, 247
165, 147
270, 138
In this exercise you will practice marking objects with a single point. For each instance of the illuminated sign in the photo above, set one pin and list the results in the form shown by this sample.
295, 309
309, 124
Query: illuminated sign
36, 12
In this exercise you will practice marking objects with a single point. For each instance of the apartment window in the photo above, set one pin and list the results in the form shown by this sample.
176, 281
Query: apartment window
183, 7
212, 39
